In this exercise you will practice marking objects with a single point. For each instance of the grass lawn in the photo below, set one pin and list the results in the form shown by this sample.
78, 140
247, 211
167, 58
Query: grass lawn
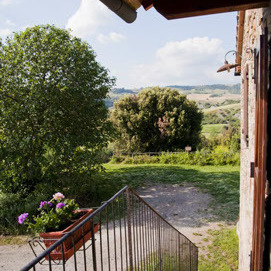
222, 182
222, 253
13, 240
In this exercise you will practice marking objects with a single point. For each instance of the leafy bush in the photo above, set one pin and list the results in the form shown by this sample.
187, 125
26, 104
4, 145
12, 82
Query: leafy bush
53, 119
157, 119
219, 156
11, 205
85, 189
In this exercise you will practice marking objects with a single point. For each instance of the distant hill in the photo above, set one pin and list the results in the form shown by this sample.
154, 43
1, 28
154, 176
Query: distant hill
210, 93
232, 89
122, 91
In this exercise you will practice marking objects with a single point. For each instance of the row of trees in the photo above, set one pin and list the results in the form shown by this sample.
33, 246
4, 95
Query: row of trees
53, 119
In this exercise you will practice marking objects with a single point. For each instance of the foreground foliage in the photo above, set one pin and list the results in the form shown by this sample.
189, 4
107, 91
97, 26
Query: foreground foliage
53, 215
221, 182
53, 120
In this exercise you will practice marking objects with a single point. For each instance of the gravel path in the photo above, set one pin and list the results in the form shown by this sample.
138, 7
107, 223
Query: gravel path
184, 206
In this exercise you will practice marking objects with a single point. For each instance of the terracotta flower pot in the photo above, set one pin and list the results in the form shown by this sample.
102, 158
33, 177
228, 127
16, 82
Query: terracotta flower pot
50, 238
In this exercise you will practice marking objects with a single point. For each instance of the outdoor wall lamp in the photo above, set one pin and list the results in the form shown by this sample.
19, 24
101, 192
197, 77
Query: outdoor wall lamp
227, 66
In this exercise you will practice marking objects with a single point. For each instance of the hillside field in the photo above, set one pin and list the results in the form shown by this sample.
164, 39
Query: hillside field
210, 94
210, 130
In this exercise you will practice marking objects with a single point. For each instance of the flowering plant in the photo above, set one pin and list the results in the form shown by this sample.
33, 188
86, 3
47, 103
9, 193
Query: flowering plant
53, 215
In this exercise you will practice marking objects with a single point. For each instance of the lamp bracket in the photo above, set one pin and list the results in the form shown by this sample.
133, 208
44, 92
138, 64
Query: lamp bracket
248, 50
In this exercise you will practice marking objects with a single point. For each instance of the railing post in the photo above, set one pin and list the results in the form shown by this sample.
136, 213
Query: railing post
197, 255
190, 257
159, 243
179, 251
129, 229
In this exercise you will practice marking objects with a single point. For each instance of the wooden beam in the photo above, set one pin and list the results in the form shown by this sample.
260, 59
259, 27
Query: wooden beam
189, 8
239, 40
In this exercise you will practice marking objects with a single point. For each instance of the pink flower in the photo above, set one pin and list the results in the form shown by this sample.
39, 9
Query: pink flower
22, 218
42, 203
58, 195
60, 205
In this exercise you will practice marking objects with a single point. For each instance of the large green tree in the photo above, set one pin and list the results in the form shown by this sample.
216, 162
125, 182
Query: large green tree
157, 119
53, 120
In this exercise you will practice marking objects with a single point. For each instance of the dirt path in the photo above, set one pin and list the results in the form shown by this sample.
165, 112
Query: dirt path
184, 206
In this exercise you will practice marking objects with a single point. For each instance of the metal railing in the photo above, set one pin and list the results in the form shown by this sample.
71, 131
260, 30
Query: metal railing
125, 234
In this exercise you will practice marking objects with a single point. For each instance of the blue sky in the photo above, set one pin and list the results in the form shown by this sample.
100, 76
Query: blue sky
151, 51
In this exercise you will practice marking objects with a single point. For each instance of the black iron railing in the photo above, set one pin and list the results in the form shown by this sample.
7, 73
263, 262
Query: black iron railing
125, 234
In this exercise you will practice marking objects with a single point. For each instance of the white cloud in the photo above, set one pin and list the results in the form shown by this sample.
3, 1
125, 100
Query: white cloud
188, 62
5, 32
112, 37
90, 15
10, 23
5, 2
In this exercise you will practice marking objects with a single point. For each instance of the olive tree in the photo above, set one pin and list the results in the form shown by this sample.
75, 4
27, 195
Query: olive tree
53, 119
157, 119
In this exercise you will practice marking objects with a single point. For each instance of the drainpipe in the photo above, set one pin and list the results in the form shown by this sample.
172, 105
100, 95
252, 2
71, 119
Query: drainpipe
122, 9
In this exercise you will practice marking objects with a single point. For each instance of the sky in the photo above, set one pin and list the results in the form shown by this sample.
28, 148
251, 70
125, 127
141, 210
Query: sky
149, 52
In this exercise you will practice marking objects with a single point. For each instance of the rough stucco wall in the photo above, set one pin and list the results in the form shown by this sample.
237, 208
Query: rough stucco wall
255, 20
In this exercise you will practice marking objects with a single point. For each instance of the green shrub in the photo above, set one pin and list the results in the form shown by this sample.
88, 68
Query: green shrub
220, 156
172, 121
53, 119
117, 159
87, 190
11, 206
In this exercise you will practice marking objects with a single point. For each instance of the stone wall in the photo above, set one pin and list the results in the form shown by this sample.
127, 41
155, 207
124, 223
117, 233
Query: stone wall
255, 21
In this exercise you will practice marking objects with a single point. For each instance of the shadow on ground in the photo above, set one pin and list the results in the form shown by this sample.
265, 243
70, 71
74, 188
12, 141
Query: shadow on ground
220, 183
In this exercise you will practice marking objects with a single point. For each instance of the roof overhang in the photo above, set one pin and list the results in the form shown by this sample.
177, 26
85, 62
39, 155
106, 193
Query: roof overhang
181, 9
175, 9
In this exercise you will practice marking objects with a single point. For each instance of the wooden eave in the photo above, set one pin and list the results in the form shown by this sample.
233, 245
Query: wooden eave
239, 40
181, 9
